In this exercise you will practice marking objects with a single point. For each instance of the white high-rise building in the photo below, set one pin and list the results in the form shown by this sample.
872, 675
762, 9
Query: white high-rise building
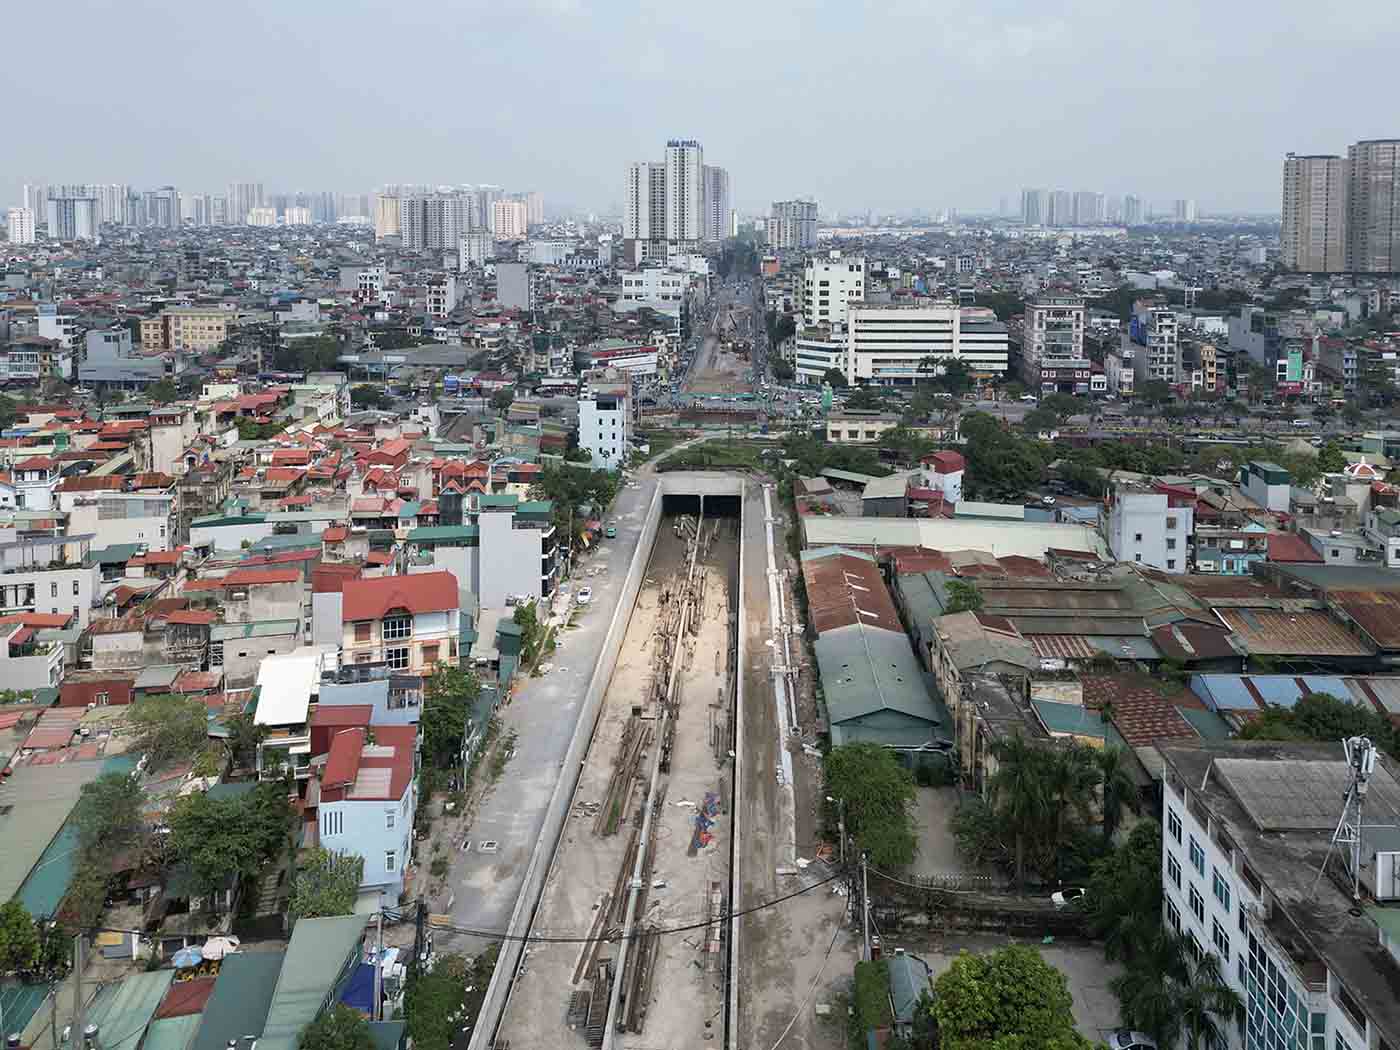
474, 248
645, 216
388, 215
510, 219
829, 284
262, 217
1132, 210
685, 191
72, 218
1184, 210
1035, 207
296, 217
534, 207
20, 223
243, 197
792, 225
717, 203
435, 220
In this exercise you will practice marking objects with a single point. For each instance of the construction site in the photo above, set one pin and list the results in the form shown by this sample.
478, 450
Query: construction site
628, 947
722, 366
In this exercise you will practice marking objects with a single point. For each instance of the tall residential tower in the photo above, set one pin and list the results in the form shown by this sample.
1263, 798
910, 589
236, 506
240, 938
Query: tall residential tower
1313, 237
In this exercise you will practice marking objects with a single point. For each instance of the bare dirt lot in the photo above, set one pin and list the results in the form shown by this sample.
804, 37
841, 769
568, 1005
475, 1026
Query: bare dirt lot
719, 372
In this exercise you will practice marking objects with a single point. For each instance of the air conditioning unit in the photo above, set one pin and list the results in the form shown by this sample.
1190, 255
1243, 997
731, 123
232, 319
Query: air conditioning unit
1205, 566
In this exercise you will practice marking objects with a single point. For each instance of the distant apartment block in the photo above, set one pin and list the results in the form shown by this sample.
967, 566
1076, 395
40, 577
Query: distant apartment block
1373, 206
830, 284
510, 220
20, 224
792, 225
1151, 525
1312, 238
1052, 336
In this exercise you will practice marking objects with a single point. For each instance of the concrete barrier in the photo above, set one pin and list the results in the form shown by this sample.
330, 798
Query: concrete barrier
512, 950
731, 1013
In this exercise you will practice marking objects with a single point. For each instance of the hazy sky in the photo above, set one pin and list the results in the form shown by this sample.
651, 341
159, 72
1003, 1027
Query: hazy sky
902, 104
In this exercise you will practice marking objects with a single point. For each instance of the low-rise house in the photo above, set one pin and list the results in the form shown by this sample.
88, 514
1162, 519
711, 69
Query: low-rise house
410, 623
287, 685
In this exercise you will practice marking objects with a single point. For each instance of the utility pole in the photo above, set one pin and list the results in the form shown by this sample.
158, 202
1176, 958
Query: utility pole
79, 1021
378, 964
865, 902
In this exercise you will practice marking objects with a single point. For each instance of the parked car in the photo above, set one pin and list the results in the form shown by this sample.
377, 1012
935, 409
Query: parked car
610, 532
585, 595
1070, 896
1126, 1039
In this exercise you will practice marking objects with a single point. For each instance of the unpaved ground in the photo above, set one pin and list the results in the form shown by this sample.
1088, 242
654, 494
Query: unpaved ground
718, 372
684, 994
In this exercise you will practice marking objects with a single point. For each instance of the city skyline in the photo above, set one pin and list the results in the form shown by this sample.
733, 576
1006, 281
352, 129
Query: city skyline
1082, 99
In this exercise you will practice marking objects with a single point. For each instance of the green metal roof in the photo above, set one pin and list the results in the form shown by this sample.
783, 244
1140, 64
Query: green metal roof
874, 687
215, 520
301, 540
497, 499
509, 627
122, 1010
317, 956
387, 1035
20, 1002
1069, 718
242, 993
543, 507
222, 632
117, 552
1209, 724
444, 533
171, 1033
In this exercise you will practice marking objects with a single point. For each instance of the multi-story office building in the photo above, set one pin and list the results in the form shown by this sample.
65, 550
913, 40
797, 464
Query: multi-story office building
387, 215
792, 225
605, 422
162, 208
1151, 525
1184, 210
72, 218
829, 283
1373, 206
20, 223
685, 191
1132, 210
243, 197
1052, 336
297, 216
890, 345
510, 220
1035, 207
1248, 827
815, 352
717, 203
1313, 234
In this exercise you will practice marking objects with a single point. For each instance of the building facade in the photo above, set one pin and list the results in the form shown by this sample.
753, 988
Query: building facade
717, 203
900, 345
605, 423
1052, 336
1373, 206
792, 225
1312, 238
1151, 525
685, 191
20, 224
829, 284
510, 220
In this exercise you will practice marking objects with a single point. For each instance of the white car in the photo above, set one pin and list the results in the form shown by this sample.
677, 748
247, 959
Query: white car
585, 595
1125, 1039
1070, 896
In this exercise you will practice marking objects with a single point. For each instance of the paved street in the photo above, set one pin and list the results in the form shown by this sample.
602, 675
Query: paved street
543, 714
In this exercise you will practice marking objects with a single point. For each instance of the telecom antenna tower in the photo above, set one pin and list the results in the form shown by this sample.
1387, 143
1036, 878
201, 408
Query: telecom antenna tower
1361, 757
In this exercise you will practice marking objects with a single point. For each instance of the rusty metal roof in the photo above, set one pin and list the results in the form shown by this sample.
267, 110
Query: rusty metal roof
1377, 613
1296, 633
844, 588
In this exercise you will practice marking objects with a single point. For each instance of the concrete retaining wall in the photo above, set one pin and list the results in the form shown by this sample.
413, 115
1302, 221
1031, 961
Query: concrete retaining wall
521, 919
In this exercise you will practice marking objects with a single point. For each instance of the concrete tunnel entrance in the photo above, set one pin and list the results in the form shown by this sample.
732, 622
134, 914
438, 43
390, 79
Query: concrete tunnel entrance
688, 503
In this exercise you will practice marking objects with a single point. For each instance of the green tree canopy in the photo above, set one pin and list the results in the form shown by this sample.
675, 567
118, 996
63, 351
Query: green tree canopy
19, 939
1010, 999
219, 837
448, 697
1330, 459
1000, 464
108, 814
963, 596
339, 1028
1124, 903
326, 884
169, 728
835, 378
782, 371
367, 395
1322, 716
161, 393
442, 1003
877, 792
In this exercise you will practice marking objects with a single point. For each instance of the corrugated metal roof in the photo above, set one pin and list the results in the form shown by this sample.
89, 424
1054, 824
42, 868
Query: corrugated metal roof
868, 671
844, 587
242, 993
317, 956
1070, 720
1208, 724
122, 1010
39, 800
1375, 612
1302, 632
999, 538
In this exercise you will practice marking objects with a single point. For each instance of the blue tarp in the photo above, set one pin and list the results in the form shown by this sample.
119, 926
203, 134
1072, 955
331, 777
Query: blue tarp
359, 990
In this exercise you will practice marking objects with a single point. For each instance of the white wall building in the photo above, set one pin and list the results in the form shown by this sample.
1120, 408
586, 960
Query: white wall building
296, 216
816, 351
685, 190
605, 423
792, 225
717, 203
510, 219
473, 249
1150, 527
644, 218
20, 223
829, 283
663, 290
1158, 355
900, 345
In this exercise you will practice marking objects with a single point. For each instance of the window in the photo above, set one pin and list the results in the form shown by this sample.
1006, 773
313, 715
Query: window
397, 627
1196, 949
1174, 870
76, 588
1137, 537
1171, 523
430, 653
332, 823
1198, 857
1221, 940
53, 590
1171, 544
362, 632
397, 658
1221, 889
1174, 825
1171, 563
1173, 915
391, 860
1137, 557
1198, 905
389, 817
102, 699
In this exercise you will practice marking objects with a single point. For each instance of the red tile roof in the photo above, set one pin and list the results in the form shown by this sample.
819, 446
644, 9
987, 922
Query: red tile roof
1140, 710
1290, 547
342, 714
252, 577
343, 762
193, 617
417, 592
335, 534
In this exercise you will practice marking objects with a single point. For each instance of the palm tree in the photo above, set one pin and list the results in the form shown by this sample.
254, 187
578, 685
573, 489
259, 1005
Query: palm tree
1070, 776
1119, 790
1018, 792
1204, 1000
